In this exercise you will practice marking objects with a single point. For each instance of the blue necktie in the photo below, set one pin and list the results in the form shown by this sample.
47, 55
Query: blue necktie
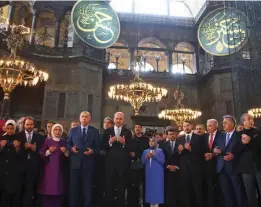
227, 139
83, 132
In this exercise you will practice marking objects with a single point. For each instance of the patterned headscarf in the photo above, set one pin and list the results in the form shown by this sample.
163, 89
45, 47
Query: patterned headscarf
52, 130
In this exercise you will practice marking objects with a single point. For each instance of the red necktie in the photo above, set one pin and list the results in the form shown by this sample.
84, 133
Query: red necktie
211, 141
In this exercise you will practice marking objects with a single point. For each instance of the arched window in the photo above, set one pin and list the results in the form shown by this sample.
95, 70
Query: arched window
180, 68
184, 56
177, 8
45, 28
119, 58
157, 7
157, 59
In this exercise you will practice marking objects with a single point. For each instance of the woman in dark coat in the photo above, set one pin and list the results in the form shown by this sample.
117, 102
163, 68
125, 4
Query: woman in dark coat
10, 165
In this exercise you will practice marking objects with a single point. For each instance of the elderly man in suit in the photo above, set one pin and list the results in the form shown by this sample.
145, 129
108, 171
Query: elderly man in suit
117, 141
83, 142
210, 176
227, 159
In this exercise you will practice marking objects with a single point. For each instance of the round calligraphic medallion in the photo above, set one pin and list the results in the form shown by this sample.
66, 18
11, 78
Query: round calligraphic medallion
223, 31
96, 23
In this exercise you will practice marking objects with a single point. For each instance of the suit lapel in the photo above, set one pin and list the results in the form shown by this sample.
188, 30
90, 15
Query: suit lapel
122, 131
167, 144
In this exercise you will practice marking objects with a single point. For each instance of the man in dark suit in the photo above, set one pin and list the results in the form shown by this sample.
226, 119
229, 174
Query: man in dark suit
32, 142
172, 163
227, 159
249, 166
209, 175
137, 172
83, 142
191, 148
117, 141
99, 171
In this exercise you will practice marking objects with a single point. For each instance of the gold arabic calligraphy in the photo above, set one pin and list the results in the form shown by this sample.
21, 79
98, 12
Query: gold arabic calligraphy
224, 32
91, 20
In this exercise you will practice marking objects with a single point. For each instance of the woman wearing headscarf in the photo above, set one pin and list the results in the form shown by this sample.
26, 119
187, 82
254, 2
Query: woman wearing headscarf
54, 153
10, 174
153, 159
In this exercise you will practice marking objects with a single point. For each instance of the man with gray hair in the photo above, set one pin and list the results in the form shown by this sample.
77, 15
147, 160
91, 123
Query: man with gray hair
107, 123
210, 175
82, 143
117, 141
249, 165
227, 158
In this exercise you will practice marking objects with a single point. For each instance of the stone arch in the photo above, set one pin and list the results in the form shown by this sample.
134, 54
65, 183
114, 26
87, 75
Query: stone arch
121, 42
184, 62
153, 41
118, 58
185, 46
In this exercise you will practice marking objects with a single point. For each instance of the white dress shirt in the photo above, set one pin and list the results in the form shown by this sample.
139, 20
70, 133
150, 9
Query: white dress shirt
117, 132
29, 135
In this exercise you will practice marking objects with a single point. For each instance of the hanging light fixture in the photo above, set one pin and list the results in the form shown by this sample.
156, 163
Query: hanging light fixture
255, 112
137, 92
179, 113
14, 70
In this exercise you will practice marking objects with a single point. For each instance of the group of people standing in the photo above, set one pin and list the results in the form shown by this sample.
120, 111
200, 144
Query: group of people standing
118, 168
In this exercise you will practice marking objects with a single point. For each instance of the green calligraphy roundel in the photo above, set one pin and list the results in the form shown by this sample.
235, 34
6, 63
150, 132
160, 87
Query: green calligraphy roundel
223, 31
96, 23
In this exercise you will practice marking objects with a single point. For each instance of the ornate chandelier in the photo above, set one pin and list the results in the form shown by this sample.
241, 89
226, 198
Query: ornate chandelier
255, 112
137, 92
179, 113
14, 70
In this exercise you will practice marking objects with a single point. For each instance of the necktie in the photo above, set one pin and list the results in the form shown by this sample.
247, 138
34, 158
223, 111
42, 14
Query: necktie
29, 137
227, 139
188, 138
172, 146
83, 132
211, 141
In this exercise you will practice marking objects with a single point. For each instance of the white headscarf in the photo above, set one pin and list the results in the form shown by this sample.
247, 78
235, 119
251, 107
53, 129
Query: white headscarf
10, 121
52, 130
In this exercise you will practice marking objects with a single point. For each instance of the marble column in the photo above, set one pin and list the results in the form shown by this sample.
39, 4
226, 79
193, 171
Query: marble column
169, 53
11, 14
131, 51
33, 28
57, 32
